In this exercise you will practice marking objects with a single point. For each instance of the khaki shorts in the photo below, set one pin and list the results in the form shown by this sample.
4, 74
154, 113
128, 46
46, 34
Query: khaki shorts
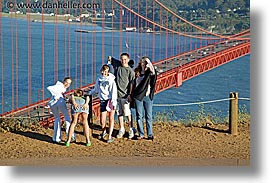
123, 107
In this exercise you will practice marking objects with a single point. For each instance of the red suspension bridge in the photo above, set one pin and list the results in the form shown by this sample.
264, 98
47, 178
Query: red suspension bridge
40, 49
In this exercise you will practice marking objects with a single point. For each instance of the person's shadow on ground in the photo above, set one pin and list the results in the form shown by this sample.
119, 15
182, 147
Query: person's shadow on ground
35, 135
47, 138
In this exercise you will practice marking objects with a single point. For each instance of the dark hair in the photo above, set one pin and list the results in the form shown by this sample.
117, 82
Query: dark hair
131, 63
66, 78
78, 93
137, 70
124, 54
104, 67
144, 59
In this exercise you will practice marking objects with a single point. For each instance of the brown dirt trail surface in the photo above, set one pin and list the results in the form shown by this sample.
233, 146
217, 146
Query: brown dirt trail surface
174, 145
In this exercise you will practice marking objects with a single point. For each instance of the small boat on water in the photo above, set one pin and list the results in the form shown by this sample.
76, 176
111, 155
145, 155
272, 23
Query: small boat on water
82, 31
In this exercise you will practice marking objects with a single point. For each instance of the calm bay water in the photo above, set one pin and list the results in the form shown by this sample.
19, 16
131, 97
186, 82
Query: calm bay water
78, 54
212, 85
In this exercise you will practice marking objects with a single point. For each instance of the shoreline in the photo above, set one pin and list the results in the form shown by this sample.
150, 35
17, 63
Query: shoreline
47, 19
62, 20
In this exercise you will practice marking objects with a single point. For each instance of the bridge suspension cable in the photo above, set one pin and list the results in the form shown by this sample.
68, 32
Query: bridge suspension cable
189, 23
163, 27
193, 25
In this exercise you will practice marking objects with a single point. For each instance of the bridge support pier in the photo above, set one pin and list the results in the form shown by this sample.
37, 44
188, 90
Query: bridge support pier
179, 79
233, 113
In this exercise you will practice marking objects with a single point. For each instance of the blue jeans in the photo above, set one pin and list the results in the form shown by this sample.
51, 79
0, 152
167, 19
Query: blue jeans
145, 104
60, 106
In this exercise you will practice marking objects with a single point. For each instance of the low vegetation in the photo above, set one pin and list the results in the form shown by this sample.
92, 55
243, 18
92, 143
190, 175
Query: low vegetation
199, 118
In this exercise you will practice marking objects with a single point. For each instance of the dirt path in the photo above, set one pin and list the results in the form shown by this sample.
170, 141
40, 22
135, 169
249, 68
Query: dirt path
174, 145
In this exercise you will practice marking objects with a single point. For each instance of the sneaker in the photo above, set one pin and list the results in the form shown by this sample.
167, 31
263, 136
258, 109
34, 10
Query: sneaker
102, 135
110, 140
89, 144
67, 144
140, 137
131, 133
56, 142
120, 134
151, 137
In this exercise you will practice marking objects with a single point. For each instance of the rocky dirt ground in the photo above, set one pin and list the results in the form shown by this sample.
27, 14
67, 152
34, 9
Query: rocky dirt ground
174, 145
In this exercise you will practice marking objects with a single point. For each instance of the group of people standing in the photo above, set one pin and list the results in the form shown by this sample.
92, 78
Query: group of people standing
118, 91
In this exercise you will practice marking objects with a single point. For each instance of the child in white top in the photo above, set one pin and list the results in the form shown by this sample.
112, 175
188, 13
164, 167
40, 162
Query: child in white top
58, 104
